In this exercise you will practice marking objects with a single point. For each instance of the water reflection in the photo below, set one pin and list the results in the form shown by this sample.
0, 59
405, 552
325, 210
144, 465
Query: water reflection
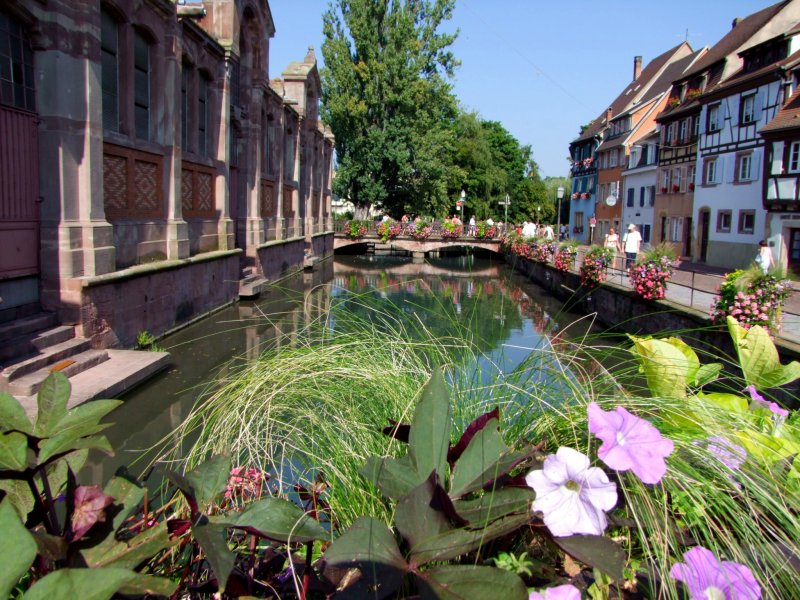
506, 315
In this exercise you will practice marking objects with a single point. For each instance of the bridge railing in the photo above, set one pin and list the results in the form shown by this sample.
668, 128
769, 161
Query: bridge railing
438, 231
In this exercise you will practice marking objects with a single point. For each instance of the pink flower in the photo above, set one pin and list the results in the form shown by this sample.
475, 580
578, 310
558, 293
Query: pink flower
560, 592
706, 576
572, 496
90, 508
760, 402
630, 443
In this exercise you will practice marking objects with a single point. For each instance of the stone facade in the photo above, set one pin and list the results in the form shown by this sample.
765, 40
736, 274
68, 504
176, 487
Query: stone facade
162, 142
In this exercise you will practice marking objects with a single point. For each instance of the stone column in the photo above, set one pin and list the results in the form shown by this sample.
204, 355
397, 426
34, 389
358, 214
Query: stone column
76, 239
225, 225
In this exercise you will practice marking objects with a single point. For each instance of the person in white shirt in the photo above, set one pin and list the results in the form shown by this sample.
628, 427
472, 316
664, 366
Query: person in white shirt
631, 242
548, 231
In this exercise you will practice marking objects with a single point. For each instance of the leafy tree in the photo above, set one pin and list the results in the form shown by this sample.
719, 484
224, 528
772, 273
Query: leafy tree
386, 97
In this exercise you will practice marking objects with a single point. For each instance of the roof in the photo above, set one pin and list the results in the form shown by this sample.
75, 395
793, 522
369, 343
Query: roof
788, 117
297, 69
633, 92
732, 41
741, 77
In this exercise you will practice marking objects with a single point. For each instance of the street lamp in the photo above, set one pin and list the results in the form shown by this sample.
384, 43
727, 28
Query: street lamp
559, 195
461, 205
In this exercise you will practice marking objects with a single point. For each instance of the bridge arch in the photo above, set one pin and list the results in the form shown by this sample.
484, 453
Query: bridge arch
417, 246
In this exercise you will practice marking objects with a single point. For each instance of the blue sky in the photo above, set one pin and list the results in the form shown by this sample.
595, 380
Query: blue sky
541, 68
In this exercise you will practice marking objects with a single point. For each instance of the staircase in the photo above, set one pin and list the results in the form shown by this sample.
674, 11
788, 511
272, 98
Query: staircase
34, 346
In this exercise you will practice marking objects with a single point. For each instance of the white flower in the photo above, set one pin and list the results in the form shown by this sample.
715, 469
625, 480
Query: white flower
572, 496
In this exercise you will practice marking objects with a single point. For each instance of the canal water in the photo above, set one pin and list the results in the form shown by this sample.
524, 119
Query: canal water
508, 315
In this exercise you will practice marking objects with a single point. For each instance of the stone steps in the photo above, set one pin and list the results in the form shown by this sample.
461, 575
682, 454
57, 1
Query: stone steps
29, 384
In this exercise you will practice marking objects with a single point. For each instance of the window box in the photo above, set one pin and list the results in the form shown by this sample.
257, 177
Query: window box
675, 188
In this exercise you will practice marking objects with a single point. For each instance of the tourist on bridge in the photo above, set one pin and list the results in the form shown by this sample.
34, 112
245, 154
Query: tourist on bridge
612, 241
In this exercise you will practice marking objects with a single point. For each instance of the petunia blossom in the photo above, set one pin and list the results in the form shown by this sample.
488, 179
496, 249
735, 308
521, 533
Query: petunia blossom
729, 454
760, 402
706, 576
630, 443
572, 496
560, 592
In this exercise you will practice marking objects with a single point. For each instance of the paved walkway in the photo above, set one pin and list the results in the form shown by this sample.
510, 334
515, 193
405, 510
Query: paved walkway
695, 285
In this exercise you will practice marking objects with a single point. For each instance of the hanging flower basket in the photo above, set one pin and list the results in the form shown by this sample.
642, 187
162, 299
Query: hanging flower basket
595, 265
484, 231
389, 230
356, 229
751, 298
650, 274
449, 230
564, 257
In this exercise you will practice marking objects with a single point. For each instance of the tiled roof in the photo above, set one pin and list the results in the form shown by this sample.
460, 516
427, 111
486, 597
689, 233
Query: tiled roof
788, 117
742, 77
630, 93
737, 36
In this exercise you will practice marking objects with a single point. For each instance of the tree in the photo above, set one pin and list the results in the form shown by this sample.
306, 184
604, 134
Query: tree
386, 98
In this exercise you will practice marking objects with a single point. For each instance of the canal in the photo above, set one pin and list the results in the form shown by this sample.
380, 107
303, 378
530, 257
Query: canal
508, 315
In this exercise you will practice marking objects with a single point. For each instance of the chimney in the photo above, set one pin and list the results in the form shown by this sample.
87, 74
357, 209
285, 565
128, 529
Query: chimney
609, 114
736, 21
637, 67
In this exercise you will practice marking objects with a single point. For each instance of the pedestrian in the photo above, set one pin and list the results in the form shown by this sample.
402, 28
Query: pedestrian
548, 232
631, 242
612, 241
764, 257
472, 225
562, 235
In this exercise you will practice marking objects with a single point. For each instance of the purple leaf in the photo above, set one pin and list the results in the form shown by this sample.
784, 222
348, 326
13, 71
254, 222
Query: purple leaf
472, 429
398, 431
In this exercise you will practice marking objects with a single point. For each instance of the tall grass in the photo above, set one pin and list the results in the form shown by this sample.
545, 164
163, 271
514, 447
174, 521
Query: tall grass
319, 405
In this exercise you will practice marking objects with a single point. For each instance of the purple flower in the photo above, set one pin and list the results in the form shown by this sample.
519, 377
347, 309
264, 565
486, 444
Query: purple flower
630, 443
572, 496
560, 592
708, 577
760, 402
729, 454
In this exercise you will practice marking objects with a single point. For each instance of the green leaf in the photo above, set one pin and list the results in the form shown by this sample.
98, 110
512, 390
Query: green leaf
692, 362
729, 402
455, 542
369, 546
767, 447
84, 416
481, 456
19, 495
54, 446
759, 358
277, 519
394, 477
429, 438
213, 540
131, 552
595, 550
96, 584
210, 479
17, 548
13, 451
496, 504
52, 404
456, 582
12, 415
416, 516
665, 366
707, 373
51, 547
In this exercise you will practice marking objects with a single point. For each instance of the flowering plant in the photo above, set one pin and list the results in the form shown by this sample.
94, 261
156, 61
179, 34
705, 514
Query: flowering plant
674, 102
649, 275
691, 186
484, 231
356, 229
543, 250
675, 188
595, 265
586, 195
751, 298
564, 257
451, 230
575, 195
419, 229
389, 230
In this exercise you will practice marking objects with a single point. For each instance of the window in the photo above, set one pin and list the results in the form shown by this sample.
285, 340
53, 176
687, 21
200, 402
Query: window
748, 109
744, 163
642, 195
631, 193
710, 171
109, 70
747, 221
695, 126
690, 177
794, 157
645, 228
670, 134
612, 159
141, 86
202, 115
724, 221
677, 180
288, 161
665, 176
579, 221
652, 195
676, 228
684, 129
714, 122
16, 65
185, 84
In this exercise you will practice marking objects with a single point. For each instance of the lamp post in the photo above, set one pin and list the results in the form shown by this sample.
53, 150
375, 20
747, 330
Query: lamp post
461, 205
559, 195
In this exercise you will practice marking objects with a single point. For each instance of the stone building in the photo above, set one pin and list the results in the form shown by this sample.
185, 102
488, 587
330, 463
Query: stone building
148, 163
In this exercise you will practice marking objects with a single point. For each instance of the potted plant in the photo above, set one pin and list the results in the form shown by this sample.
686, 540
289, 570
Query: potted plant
594, 268
389, 230
751, 298
650, 273
564, 257
356, 229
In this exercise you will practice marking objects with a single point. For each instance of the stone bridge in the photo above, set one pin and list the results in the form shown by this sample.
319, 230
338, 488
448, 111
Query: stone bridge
416, 247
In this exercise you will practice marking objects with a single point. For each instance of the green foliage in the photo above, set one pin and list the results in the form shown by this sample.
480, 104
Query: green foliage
147, 341
386, 98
